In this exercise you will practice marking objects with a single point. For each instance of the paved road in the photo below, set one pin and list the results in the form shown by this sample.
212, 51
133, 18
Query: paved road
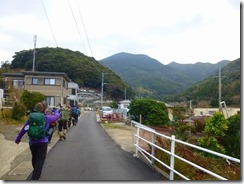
89, 154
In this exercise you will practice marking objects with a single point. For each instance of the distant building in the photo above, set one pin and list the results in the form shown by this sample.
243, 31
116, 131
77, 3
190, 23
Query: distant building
73, 91
124, 104
210, 111
123, 107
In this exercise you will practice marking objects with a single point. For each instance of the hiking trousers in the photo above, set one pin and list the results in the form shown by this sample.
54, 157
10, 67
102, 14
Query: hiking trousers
39, 152
62, 127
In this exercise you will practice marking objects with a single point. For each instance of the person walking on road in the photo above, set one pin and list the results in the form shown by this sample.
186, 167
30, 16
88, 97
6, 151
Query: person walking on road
63, 123
76, 113
38, 146
72, 115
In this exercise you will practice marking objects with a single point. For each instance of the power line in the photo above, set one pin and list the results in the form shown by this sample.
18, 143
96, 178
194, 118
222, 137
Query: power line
82, 20
49, 23
77, 26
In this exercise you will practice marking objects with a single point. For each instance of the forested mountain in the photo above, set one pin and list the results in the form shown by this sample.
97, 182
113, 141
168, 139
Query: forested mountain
84, 70
198, 71
149, 77
208, 89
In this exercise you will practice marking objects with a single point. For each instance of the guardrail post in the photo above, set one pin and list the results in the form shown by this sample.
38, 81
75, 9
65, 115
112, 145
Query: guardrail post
137, 141
172, 158
153, 148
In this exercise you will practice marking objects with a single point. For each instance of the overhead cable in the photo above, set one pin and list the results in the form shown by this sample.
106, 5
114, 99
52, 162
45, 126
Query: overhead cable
77, 26
49, 23
82, 20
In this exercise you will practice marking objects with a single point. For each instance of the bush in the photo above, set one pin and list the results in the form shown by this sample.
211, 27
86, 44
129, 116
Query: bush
231, 140
153, 112
19, 111
210, 143
182, 131
29, 99
199, 125
214, 129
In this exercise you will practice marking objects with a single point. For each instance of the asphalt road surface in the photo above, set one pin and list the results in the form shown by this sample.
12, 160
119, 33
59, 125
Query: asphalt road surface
89, 154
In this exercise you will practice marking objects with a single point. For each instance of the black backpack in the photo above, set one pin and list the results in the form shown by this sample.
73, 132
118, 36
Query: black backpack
37, 129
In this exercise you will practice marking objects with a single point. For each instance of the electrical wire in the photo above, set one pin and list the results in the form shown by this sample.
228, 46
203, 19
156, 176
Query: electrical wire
77, 26
49, 23
82, 20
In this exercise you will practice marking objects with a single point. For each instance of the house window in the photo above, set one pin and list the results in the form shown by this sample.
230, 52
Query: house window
73, 92
64, 83
50, 100
34, 81
211, 112
18, 84
48, 81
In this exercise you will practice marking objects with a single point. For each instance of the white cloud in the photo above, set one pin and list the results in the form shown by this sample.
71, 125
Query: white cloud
183, 31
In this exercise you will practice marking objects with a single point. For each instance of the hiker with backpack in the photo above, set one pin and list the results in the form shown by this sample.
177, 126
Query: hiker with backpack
63, 123
72, 116
36, 127
76, 113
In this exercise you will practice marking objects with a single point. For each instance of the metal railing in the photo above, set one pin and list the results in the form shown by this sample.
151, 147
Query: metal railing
150, 157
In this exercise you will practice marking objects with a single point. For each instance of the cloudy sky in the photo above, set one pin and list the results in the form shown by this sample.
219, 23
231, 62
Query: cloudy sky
185, 31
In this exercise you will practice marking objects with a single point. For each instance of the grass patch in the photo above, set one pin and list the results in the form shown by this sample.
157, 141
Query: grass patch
111, 125
10, 121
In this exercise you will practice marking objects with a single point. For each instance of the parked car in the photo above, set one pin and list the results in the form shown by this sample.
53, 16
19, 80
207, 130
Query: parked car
88, 109
105, 110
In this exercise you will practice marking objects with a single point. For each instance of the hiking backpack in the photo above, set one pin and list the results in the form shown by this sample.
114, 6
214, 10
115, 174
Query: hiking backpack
36, 129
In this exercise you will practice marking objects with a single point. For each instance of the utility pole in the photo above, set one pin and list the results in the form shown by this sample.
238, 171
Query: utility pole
102, 88
220, 89
34, 54
220, 86
125, 93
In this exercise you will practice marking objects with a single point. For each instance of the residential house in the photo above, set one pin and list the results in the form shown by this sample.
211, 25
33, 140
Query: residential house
54, 85
73, 93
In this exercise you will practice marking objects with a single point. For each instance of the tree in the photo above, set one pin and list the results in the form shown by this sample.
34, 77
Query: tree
81, 69
152, 112
203, 104
231, 140
216, 125
178, 113
214, 129
113, 104
5, 65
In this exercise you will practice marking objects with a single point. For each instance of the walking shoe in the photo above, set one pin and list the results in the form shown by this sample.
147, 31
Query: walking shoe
64, 137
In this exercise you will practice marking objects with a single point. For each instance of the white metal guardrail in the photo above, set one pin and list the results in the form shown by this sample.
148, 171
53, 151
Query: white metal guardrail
150, 157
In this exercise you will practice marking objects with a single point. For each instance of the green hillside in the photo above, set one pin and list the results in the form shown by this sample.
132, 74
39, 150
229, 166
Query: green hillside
198, 71
148, 74
208, 89
154, 78
84, 70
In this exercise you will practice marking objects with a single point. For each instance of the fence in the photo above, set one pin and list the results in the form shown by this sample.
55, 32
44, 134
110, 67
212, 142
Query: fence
150, 157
